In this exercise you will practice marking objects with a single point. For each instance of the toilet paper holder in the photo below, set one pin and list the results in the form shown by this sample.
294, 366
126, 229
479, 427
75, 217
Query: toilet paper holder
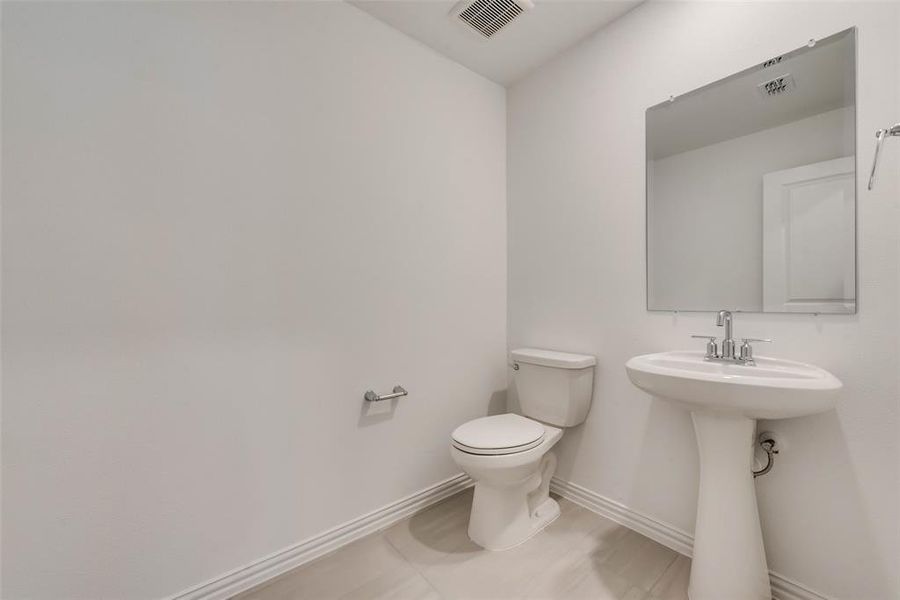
371, 396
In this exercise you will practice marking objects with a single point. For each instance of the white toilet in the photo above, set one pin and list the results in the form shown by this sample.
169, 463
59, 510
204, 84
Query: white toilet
509, 455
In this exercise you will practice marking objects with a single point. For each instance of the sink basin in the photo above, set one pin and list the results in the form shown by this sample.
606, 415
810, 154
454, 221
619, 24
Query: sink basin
772, 389
725, 399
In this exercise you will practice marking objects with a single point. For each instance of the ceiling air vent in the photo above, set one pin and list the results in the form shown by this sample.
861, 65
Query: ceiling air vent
772, 62
778, 86
487, 17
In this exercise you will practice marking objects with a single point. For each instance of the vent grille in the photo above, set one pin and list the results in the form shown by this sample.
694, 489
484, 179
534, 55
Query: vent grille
772, 62
778, 86
487, 17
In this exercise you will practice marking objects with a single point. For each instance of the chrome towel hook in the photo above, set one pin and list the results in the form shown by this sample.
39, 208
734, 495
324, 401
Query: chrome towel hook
879, 141
373, 397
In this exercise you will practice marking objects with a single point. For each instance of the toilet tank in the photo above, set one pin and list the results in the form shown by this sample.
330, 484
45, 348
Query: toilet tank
554, 387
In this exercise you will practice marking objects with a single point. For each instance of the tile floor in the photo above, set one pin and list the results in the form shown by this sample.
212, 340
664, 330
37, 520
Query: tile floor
429, 556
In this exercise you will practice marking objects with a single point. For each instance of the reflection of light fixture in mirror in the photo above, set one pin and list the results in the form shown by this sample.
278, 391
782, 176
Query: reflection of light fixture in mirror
777, 86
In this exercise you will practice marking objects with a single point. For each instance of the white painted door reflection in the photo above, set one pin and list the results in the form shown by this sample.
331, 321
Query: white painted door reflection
809, 238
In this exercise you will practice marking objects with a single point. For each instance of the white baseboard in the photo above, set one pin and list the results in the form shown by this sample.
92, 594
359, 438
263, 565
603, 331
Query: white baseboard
671, 537
783, 588
257, 572
246, 577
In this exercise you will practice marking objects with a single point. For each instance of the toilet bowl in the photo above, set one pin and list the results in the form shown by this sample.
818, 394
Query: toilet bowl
508, 456
512, 484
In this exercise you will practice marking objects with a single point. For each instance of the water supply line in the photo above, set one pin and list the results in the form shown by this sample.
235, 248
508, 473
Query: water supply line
879, 141
768, 445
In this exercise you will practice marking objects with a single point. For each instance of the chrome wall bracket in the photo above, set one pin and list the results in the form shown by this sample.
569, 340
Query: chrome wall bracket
371, 396
879, 141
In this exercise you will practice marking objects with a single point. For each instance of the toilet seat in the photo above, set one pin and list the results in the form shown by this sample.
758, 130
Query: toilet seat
498, 434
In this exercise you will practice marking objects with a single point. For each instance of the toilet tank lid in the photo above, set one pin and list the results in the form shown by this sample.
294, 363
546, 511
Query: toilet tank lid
552, 358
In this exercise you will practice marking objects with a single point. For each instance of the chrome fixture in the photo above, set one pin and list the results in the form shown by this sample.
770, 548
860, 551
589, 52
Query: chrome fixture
725, 319
373, 397
879, 141
770, 448
747, 349
712, 350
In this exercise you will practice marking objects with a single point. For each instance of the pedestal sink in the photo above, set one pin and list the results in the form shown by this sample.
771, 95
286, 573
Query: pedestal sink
725, 400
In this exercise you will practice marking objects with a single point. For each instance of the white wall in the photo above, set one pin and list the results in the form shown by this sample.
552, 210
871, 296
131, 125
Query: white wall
831, 507
706, 207
222, 223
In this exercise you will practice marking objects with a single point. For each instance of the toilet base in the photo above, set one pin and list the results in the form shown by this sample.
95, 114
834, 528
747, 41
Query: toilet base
520, 532
504, 516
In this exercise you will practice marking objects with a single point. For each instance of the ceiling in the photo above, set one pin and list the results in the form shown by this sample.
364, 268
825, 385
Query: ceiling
528, 41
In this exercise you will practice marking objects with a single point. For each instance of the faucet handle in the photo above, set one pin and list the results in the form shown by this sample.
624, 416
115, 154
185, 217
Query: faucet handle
712, 350
747, 349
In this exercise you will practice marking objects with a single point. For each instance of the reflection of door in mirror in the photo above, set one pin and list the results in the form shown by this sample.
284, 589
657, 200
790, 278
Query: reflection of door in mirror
809, 238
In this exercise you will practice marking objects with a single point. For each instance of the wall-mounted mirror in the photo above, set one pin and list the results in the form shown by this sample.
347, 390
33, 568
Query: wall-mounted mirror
751, 188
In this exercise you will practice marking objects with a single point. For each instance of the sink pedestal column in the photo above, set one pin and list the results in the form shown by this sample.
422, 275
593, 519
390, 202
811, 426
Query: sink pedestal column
729, 560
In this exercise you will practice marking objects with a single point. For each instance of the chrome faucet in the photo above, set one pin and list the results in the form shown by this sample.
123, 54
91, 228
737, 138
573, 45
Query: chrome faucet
725, 319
